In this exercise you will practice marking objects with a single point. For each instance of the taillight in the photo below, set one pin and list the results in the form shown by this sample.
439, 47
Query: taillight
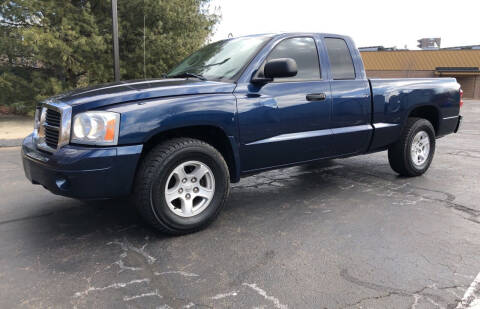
461, 97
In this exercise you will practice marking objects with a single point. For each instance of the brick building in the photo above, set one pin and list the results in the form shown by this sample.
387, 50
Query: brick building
463, 64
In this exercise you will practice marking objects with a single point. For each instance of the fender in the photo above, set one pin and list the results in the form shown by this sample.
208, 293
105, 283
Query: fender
436, 118
144, 120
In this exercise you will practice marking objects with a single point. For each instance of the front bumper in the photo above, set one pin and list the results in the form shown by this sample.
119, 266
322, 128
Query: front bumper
82, 172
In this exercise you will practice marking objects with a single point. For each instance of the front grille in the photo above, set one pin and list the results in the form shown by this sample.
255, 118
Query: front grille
52, 127
52, 123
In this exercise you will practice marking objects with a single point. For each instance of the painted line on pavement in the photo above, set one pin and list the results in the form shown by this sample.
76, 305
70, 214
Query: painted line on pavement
471, 299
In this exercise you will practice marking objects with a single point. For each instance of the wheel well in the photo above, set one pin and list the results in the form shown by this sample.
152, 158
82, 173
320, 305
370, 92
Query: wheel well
427, 112
214, 136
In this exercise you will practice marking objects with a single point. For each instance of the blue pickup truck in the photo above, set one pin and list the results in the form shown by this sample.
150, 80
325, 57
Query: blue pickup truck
233, 108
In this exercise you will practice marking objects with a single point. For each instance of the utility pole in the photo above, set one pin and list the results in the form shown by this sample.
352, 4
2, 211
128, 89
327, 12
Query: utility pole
116, 58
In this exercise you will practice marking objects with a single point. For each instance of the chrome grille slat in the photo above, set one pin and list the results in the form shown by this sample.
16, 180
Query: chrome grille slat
52, 136
51, 140
51, 127
52, 131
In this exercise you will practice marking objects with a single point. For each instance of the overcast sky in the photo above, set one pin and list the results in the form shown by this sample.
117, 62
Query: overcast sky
368, 22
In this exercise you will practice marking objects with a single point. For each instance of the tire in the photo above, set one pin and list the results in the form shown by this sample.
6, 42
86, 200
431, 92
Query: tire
165, 163
414, 135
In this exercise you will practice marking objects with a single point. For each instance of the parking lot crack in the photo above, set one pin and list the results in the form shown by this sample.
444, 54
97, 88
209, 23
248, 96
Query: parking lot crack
370, 298
408, 188
224, 295
182, 273
154, 293
125, 245
391, 290
116, 285
261, 292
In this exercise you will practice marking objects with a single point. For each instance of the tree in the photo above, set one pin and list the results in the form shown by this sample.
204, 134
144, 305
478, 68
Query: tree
51, 46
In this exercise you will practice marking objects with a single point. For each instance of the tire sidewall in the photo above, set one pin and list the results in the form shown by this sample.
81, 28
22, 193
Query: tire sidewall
421, 125
157, 196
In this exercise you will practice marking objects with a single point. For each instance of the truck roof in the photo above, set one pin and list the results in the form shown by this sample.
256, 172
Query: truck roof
286, 34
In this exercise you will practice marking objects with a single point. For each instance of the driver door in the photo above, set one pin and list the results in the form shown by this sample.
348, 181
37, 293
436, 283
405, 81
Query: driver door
286, 121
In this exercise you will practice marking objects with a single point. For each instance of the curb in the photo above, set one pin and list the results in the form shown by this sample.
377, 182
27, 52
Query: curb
11, 142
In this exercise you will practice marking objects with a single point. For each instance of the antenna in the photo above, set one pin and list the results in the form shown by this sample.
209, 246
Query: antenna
116, 58
144, 43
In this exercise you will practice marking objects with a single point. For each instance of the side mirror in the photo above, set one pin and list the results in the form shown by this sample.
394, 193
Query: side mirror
281, 67
275, 68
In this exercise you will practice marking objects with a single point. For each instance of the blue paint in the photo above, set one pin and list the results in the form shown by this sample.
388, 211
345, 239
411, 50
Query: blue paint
266, 126
82, 172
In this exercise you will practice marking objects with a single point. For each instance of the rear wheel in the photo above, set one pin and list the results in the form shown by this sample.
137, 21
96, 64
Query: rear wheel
181, 186
413, 153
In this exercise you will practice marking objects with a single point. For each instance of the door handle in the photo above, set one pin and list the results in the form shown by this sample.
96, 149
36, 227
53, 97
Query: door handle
316, 96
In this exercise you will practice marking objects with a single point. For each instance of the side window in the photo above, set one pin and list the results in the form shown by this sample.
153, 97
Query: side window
304, 52
341, 62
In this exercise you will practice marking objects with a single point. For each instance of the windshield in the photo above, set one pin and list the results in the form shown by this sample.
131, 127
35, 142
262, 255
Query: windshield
219, 60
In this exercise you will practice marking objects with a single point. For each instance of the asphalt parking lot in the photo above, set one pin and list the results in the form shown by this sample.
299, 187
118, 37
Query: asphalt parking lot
341, 234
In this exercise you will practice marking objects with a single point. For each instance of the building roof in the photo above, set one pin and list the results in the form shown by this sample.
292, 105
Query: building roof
419, 60
463, 47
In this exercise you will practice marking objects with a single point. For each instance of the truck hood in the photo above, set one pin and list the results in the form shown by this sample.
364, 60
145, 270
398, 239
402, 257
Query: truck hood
125, 91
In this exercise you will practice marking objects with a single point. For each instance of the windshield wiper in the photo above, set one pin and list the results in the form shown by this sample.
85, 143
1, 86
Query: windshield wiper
189, 74
214, 64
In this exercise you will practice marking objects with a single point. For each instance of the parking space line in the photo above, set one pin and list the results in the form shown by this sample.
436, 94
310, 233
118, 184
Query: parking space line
471, 299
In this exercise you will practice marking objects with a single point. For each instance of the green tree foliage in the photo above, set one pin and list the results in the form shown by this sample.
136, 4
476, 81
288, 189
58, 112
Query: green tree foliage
51, 46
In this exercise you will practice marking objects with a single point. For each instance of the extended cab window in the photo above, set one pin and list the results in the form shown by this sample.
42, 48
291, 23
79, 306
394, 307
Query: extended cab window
341, 63
304, 52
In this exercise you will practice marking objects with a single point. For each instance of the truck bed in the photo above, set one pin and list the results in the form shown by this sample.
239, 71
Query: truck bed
394, 99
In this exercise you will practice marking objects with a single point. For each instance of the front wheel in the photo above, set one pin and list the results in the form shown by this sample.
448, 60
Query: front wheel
181, 186
413, 153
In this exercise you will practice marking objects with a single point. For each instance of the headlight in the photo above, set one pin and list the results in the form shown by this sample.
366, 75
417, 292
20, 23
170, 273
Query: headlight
96, 128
